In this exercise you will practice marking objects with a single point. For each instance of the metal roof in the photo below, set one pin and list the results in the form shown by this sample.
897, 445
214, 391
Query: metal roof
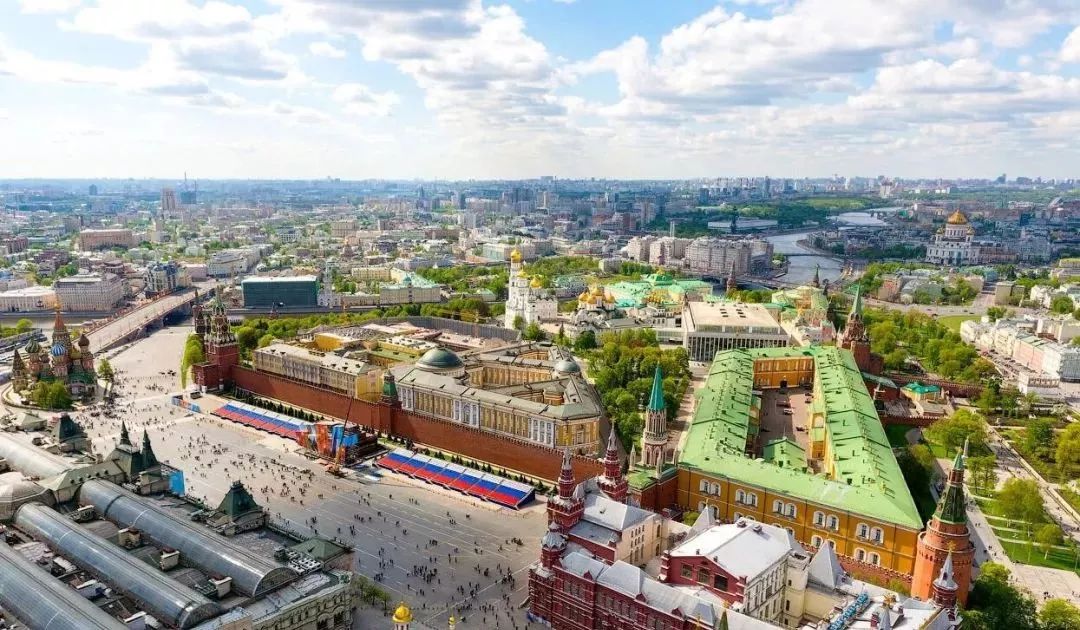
31, 460
867, 479
252, 574
42, 602
163, 597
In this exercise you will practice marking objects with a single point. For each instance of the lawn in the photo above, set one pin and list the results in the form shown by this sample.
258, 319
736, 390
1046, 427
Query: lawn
1021, 553
952, 322
897, 434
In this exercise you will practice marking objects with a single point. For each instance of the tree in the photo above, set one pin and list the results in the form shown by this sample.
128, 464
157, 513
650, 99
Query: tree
962, 425
995, 313
586, 340
1059, 614
266, 340
1047, 537
52, 395
105, 370
1061, 304
247, 338
23, 325
988, 401
533, 332
982, 472
995, 604
193, 355
519, 322
1019, 500
1067, 452
1039, 436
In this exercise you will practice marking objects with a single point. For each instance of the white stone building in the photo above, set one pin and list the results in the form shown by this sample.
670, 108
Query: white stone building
954, 246
97, 292
526, 299
33, 298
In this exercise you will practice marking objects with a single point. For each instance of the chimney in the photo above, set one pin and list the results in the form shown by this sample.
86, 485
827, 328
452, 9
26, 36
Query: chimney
169, 559
129, 538
223, 586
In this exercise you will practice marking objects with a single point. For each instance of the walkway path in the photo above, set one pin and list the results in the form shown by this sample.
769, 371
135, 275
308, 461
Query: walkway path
1038, 580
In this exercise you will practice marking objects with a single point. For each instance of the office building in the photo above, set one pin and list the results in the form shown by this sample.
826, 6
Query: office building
105, 238
711, 327
281, 292
165, 278
719, 257
89, 292
169, 209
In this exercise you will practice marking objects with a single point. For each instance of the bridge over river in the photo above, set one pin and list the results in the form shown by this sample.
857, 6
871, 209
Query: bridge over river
131, 323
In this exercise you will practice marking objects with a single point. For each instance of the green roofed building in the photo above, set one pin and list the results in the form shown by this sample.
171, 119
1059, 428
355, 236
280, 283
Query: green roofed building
790, 436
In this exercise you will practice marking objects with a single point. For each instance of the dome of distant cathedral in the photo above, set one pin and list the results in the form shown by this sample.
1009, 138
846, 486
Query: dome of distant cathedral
33, 347
58, 350
957, 218
515, 256
536, 284
566, 366
84, 341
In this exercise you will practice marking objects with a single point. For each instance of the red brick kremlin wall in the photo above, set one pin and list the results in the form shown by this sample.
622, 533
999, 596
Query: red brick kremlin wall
501, 452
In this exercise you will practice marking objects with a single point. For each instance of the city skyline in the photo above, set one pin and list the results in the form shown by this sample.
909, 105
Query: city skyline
469, 89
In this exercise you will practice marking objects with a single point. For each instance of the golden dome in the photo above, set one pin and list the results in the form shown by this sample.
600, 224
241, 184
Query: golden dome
584, 297
957, 218
536, 284
402, 614
598, 291
609, 297
515, 256
521, 273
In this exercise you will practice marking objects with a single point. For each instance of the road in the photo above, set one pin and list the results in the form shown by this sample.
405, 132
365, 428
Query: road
413, 525
107, 334
1038, 580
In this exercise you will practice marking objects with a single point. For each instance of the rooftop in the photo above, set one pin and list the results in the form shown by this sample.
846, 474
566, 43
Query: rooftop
716, 315
866, 478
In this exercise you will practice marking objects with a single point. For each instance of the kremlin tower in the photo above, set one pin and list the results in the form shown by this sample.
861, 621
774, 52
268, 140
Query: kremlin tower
612, 482
944, 552
855, 338
654, 440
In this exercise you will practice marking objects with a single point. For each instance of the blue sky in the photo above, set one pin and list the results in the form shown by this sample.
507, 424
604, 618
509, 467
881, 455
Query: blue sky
521, 88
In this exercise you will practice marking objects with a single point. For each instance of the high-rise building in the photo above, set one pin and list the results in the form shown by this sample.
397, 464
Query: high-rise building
169, 209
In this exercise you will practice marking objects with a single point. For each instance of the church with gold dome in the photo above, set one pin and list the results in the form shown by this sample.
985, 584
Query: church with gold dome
954, 245
526, 297
63, 359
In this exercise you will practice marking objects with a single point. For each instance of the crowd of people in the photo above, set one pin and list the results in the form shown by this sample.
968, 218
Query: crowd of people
418, 554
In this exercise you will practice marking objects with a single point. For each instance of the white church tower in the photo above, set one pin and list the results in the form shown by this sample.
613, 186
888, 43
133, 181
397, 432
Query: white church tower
525, 298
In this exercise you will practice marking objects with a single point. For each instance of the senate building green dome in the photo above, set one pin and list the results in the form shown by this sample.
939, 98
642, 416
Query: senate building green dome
439, 360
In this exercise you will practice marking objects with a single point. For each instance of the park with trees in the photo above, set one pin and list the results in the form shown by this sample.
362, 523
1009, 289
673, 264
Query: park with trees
622, 365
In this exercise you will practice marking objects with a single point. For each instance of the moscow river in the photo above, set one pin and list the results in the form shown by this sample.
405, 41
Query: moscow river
801, 268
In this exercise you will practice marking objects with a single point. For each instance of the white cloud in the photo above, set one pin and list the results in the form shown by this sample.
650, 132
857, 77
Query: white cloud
360, 100
326, 49
48, 6
1070, 48
139, 20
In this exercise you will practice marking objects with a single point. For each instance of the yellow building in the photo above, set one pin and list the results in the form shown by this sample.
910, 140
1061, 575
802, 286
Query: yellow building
320, 369
790, 436
510, 392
